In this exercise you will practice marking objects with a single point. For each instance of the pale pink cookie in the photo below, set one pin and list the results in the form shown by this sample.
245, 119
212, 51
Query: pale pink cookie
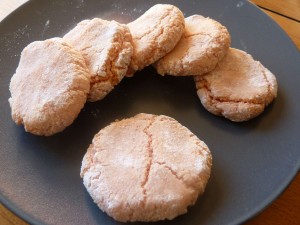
154, 34
107, 49
239, 88
204, 43
146, 168
49, 88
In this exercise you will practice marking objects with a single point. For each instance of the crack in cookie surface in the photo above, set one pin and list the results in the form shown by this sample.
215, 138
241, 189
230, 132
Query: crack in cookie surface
150, 158
239, 88
139, 181
154, 34
227, 99
161, 20
107, 49
204, 43
173, 172
272, 84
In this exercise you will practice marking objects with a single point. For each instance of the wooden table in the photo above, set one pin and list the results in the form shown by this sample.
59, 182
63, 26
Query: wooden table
286, 209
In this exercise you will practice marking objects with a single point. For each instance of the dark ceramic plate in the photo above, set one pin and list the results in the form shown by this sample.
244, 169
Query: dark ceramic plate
252, 162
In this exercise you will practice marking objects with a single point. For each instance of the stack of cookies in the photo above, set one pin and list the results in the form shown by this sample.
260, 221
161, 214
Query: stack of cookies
51, 73
148, 167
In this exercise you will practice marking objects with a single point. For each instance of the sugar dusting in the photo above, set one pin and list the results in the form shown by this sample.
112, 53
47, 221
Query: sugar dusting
243, 44
11, 41
116, 5
46, 26
80, 4
137, 10
21, 32
240, 4
125, 11
95, 113
223, 12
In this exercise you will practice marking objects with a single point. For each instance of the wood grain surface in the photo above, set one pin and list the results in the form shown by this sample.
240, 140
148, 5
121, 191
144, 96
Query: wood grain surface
286, 209
291, 27
289, 8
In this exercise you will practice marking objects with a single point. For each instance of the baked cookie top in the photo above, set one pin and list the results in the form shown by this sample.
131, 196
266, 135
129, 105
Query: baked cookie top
145, 168
203, 44
154, 34
107, 50
49, 88
239, 88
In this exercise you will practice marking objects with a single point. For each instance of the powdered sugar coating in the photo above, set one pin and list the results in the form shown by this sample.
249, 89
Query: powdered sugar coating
49, 88
203, 44
239, 88
154, 34
146, 168
107, 49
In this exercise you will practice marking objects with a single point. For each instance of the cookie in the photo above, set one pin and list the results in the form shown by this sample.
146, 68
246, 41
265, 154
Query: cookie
204, 43
49, 88
239, 88
107, 49
154, 34
145, 168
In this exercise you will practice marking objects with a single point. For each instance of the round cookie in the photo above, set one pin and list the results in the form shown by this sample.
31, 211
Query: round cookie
49, 88
204, 43
145, 168
239, 88
154, 34
107, 49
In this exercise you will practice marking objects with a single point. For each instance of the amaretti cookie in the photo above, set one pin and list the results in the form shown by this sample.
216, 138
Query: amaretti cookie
239, 88
146, 168
204, 43
107, 49
49, 88
154, 34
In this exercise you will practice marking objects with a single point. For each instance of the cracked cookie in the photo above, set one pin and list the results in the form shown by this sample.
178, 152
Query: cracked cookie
146, 168
49, 88
203, 44
239, 88
107, 49
154, 34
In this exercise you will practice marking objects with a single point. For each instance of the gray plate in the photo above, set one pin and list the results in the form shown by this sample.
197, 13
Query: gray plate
252, 162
